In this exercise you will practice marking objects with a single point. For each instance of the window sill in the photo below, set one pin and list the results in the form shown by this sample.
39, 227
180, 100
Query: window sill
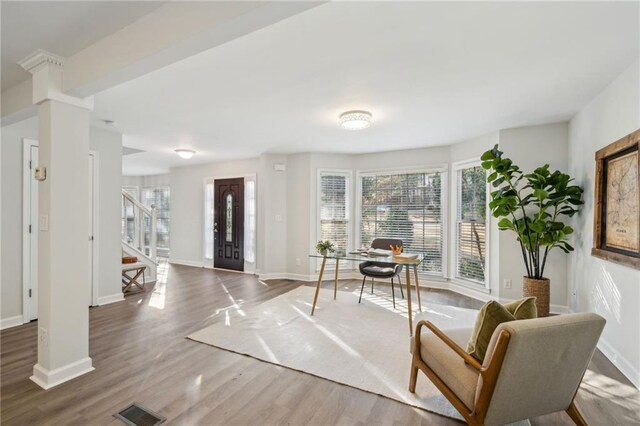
471, 285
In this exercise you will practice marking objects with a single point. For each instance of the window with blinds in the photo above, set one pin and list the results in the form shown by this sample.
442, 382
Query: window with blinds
334, 208
471, 224
407, 206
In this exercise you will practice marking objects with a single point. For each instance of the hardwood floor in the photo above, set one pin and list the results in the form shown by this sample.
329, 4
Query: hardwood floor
141, 354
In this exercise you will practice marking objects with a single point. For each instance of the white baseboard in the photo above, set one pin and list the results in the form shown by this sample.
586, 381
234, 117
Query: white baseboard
470, 292
620, 362
301, 277
111, 298
11, 322
558, 309
47, 379
197, 264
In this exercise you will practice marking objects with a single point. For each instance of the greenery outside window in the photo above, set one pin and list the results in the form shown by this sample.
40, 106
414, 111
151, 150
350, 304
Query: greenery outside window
471, 223
409, 206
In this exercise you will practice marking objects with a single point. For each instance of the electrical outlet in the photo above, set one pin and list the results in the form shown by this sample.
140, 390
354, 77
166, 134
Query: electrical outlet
507, 283
43, 336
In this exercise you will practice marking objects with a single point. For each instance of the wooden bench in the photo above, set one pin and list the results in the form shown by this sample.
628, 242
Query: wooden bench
131, 273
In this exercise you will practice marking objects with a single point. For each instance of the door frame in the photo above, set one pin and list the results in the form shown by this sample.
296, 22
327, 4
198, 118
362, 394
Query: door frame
26, 219
208, 263
94, 222
26, 235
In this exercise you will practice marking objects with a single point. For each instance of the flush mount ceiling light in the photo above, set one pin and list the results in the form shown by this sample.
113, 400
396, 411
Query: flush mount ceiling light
355, 120
185, 153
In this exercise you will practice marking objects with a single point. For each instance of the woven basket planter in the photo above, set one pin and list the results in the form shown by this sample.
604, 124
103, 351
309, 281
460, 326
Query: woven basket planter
540, 290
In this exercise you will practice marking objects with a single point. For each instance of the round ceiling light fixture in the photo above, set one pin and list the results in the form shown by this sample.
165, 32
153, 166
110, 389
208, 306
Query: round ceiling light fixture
355, 120
185, 153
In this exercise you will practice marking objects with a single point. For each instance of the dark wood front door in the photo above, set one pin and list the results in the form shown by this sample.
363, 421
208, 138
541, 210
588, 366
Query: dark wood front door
228, 229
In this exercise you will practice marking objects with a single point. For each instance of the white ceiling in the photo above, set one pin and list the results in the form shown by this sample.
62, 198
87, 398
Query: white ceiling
61, 27
430, 73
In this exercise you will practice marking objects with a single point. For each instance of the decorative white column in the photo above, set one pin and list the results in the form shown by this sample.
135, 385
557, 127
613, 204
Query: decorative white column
63, 196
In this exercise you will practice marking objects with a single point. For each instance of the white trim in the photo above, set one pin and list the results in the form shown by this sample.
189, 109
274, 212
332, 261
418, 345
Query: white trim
47, 379
348, 173
453, 234
11, 322
95, 226
112, 298
274, 276
250, 266
620, 362
443, 169
183, 262
558, 309
438, 167
26, 219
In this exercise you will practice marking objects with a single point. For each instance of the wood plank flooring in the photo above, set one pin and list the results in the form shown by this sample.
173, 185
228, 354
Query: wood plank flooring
141, 354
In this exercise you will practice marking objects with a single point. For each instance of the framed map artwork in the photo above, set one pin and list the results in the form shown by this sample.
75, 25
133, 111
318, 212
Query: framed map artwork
617, 202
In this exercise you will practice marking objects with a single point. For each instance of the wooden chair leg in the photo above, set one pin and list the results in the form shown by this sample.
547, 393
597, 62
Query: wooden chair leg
575, 415
413, 380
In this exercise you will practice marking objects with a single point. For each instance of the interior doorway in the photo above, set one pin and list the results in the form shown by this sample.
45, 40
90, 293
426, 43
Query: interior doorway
228, 226
31, 226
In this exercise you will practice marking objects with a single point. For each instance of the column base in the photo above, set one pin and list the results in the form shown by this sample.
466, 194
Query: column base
47, 379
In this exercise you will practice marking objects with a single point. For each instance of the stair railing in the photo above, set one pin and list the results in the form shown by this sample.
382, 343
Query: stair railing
137, 220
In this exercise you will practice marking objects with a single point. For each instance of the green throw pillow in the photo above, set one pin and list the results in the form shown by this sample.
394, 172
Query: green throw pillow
523, 308
491, 315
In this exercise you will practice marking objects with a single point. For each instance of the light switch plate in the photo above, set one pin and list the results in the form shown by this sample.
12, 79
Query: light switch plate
44, 222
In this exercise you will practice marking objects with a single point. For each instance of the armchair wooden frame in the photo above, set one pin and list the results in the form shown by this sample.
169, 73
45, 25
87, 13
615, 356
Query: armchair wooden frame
489, 374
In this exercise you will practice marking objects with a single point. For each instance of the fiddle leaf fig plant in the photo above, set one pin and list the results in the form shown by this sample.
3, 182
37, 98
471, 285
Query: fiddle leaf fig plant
532, 205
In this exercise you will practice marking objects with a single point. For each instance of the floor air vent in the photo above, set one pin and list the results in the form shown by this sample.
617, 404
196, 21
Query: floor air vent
138, 415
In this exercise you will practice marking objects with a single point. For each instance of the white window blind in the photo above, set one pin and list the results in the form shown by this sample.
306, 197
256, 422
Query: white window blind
471, 224
407, 206
208, 221
250, 221
334, 208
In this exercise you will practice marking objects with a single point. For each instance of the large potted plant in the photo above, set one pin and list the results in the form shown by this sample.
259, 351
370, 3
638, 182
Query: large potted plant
532, 205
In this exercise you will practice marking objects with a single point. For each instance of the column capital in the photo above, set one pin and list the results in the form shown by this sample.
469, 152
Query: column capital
46, 71
35, 61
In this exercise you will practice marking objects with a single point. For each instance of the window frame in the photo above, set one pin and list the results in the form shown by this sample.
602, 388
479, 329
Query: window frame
348, 174
455, 198
443, 169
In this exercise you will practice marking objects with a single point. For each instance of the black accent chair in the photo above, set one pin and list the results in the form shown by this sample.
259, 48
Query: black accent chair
373, 270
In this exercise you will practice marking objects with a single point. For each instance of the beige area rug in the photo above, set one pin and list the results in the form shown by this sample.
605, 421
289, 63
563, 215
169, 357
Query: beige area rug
364, 345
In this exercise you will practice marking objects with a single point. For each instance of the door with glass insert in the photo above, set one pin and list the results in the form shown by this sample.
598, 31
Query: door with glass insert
228, 226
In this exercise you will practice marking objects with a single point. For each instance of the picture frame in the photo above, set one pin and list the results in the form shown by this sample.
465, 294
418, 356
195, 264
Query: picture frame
616, 229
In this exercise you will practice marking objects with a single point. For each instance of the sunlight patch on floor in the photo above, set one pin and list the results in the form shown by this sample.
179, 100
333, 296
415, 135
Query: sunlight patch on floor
158, 296
344, 346
233, 301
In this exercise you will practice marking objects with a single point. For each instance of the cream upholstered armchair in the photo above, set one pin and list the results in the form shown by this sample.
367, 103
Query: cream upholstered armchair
532, 367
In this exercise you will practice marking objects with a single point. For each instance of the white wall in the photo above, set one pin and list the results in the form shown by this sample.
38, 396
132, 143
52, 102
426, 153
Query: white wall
595, 285
108, 145
298, 217
272, 216
529, 148
187, 205
12, 226
150, 181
